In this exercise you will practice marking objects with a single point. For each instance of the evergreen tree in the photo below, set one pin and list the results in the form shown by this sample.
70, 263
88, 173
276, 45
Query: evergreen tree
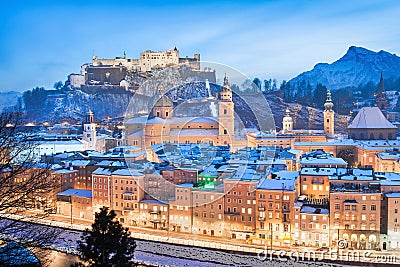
274, 85
257, 82
107, 243
267, 85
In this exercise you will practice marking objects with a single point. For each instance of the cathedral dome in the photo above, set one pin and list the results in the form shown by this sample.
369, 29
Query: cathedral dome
160, 99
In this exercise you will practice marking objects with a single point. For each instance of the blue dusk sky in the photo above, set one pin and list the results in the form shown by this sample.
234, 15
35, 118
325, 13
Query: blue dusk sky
41, 42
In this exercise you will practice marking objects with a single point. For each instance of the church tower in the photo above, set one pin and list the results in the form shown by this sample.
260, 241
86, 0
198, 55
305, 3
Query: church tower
329, 116
226, 115
381, 100
161, 105
287, 122
89, 131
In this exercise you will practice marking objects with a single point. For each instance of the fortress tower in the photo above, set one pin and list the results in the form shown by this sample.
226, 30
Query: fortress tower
329, 116
226, 115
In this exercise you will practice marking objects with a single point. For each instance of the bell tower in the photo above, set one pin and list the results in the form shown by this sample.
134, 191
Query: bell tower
226, 115
89, 131
287, 122
329, 116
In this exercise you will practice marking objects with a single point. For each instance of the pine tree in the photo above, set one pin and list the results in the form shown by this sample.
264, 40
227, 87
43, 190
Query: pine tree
107, 243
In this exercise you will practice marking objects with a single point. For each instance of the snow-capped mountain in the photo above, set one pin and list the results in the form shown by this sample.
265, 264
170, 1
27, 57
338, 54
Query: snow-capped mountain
357, 67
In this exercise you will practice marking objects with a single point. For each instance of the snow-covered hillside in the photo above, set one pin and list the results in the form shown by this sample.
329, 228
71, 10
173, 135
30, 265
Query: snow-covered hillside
8, 99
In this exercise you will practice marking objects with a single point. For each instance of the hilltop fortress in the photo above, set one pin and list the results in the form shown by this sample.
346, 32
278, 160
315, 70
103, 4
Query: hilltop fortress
114, 72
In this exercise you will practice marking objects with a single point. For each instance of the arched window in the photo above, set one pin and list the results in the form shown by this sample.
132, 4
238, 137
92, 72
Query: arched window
381, 136
225, 131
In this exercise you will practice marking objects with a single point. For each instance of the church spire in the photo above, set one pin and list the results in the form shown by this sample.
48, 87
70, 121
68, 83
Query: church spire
328, 103
381, 100
226, 91
226, 81
381, 88
89, 118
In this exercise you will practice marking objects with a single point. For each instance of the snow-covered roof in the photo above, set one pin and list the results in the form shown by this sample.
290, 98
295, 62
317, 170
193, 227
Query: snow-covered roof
204, 120
273, 184
393, 195
111, 163
137, 120
153, 201
76, 193
193, 132
102, 171
370, 118
286, 175
323, 161
56, 166
388, 156
187, 185
243, 173
155, 120
209, 171
79, 163
323, 171
64, 171
127, 172
137, 133
392, 176
64, 155
309, 209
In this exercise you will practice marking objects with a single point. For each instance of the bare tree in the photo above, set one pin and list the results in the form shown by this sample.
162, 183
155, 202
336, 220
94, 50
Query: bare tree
27, 188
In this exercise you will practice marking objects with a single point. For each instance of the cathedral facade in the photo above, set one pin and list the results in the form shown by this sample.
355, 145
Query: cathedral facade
161, 126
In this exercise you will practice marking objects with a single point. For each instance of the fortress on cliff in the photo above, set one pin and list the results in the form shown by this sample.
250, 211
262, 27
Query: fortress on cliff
114, 72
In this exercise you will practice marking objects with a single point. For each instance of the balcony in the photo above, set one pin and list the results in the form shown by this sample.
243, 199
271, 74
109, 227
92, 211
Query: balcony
232, 213
261, 218
154, 212
128, 208
261, 208
317, 181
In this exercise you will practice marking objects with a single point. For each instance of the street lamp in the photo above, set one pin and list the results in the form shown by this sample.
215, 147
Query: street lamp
71, 204
70, 198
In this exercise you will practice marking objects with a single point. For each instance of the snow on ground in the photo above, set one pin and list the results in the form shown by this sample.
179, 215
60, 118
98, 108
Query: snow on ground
163, 254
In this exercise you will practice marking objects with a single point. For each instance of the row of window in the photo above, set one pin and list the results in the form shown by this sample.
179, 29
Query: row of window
270, 196
352, 217
315, 226
354, 207
239, 201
